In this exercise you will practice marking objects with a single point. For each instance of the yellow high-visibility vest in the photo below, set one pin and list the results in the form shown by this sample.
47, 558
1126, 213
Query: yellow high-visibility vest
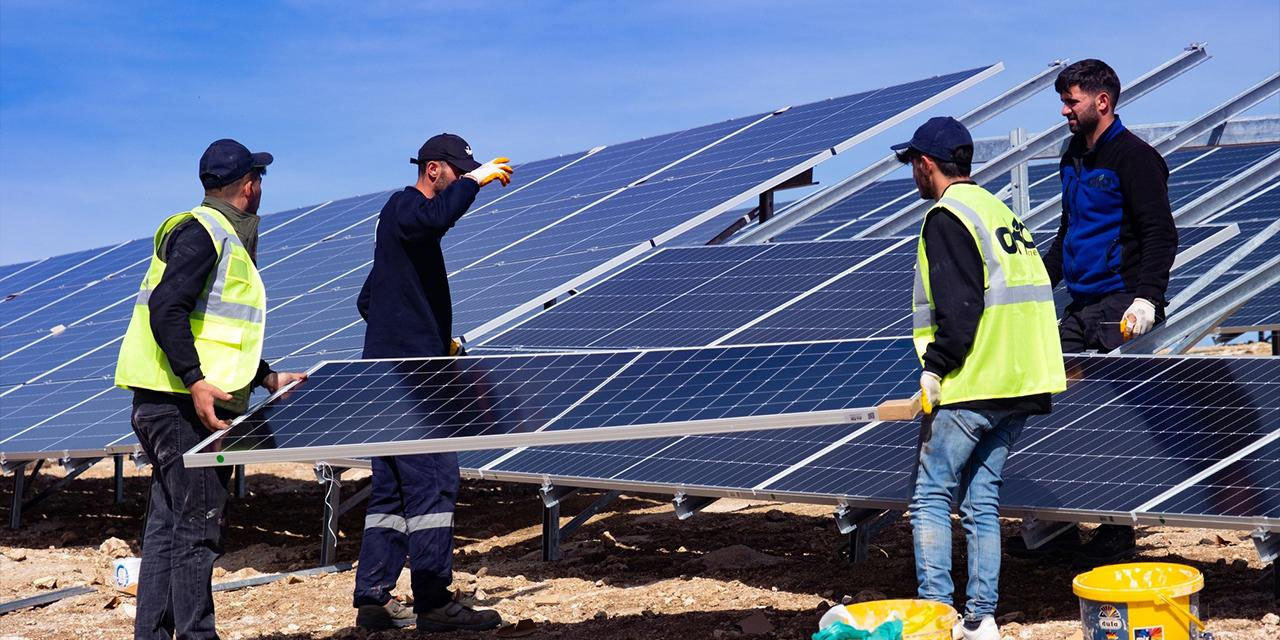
228, 323
1016, 351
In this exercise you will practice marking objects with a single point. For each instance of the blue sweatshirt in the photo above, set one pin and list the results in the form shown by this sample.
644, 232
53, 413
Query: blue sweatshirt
1117, 233
405, 300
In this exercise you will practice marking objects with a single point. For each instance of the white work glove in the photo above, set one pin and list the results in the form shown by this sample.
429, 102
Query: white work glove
930, 391
495, 169
1138, 318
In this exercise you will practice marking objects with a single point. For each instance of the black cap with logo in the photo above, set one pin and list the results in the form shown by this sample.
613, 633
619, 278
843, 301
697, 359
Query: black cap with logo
449, 148
226, 161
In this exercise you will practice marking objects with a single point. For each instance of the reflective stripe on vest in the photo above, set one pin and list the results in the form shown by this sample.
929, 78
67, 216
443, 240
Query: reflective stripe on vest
1016, 350
228, 321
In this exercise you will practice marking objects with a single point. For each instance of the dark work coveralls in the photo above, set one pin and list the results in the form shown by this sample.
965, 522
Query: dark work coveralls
405, 303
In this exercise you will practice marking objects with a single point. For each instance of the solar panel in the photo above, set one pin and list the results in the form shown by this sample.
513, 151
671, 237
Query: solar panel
10, 270
1263, 204
1133, 431
388, 407
870, 302
1247, 488
688, 296
1210, 169
1153, 422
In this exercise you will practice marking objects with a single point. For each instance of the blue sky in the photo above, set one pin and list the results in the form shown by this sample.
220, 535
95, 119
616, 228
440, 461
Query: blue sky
105, 107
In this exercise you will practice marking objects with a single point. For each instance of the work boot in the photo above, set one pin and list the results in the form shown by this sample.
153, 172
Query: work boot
456, 616
984, 629
1110, 543
1063, 546
392, 615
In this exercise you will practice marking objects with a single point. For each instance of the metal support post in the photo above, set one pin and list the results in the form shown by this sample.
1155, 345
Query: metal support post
765, 207
331, 478
551, 532
1035, 533
687, 505
242, 489
19, 492
118, 460
861, 525
1019, 180
74, 467
1275, 343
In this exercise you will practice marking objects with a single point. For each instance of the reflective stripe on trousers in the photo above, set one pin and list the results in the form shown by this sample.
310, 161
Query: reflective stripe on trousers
416, 523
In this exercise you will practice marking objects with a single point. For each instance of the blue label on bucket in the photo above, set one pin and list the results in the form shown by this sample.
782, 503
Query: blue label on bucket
1104, 620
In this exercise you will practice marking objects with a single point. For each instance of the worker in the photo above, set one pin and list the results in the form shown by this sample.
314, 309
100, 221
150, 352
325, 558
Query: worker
1115, 246
985, 331
191, 356
405, 303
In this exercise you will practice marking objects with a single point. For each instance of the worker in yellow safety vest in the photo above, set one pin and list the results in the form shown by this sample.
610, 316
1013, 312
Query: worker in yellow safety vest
986, 333
191, 356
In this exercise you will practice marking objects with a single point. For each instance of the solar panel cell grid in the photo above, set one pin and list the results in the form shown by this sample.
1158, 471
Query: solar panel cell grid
1247, 488
391, 405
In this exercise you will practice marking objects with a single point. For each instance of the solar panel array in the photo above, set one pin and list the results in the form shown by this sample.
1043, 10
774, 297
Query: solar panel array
390, 407
564, 217
1193, 172
1130, 435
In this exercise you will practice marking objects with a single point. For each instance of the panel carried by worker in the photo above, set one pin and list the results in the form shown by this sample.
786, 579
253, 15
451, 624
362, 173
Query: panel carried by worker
1115, 246
406, 305
985, 331
191, 356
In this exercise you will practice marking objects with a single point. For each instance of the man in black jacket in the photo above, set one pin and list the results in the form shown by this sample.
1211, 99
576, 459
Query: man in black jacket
1116, 242
186, 507
405, 303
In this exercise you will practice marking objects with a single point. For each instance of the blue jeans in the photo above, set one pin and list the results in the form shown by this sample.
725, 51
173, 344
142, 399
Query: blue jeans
186, 513
962, 456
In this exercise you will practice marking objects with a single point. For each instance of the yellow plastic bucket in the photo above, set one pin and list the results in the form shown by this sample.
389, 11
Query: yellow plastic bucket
1140, 601
921, 619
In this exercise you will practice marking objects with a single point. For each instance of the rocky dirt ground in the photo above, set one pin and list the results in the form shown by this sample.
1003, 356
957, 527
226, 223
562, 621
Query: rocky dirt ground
633, 572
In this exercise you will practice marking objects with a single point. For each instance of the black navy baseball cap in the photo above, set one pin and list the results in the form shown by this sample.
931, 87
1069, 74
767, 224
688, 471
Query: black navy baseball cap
449, 148
226, 161
938, 138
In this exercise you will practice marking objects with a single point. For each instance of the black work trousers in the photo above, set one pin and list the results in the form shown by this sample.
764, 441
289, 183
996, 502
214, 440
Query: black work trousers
185, 520
1095, 325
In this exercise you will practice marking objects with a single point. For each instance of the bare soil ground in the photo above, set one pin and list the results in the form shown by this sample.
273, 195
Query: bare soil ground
633, 572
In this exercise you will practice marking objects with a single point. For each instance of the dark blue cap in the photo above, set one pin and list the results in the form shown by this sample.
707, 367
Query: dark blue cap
226, 161
938, 138
449, 148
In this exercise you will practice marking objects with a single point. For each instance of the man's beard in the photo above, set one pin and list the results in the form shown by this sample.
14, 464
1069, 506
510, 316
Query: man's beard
1086, 123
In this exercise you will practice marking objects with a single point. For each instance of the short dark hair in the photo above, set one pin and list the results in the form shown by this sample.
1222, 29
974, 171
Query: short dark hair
229, 190
1093, 76
960, 165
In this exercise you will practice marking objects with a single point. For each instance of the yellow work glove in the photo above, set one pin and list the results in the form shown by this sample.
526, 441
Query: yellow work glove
930, 391
456, 349
495, 169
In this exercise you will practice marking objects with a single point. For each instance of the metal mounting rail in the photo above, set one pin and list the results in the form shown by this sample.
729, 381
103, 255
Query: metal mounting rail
1182, 136
907, 216
1191, 291
816, 203
1187, 328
